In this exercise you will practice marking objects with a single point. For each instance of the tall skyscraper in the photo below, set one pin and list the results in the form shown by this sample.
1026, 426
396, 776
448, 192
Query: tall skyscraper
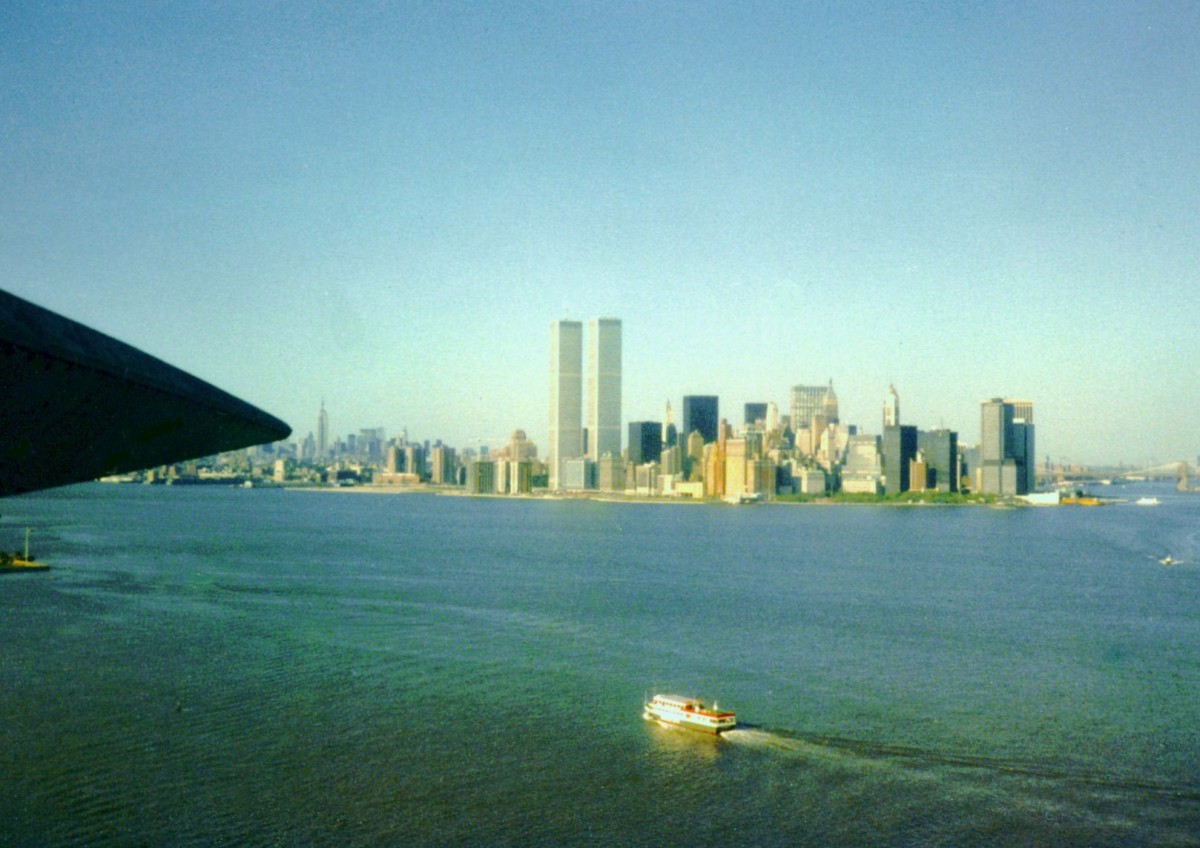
891, 408
604, 388
1023, 447
1007, 463
670, 436
566, 397
700, 414
322, 432
899, 447
753, 413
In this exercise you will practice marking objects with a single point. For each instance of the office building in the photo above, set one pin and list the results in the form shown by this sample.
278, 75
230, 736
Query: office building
830, 448
735, 468
714, 469
395, 460
829, 405
519, 447
918, 473
968, 459
806, 403
414, 460
1023, 451
610, 473
645, 442
1022, 410
899, 449
646, 480
322, 433
671, 460
940, 449
762, 477
700, 415
513, 477
481, 477
811, 401
694, 446
442, 465
670, 436
891, 408
754, 413
1007, 464
862, 472
566, 396
579, 474
604, 388
812, 481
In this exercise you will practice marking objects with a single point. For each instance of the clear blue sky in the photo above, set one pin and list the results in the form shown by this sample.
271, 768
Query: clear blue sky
385, 204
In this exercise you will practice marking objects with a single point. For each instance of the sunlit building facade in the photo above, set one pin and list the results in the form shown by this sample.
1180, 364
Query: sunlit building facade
566, 398
604, 388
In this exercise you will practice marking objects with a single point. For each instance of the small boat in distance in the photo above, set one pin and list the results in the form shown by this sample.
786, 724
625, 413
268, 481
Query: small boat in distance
16, 563
1147, 502
690, 713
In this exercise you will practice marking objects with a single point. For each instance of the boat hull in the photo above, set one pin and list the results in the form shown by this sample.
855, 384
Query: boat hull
699, 728
689, 716
22, 567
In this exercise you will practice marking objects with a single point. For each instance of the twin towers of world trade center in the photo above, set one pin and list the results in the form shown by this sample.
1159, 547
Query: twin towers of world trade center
569, 440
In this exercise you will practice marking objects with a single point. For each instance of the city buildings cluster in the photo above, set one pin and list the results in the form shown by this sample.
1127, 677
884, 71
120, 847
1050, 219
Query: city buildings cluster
809, 450
761, 454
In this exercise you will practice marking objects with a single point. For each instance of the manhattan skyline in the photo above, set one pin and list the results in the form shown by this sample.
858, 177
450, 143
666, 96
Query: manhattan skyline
385, 206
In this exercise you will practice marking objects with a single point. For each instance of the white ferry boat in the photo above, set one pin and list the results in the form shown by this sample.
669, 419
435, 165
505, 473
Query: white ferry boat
691, 713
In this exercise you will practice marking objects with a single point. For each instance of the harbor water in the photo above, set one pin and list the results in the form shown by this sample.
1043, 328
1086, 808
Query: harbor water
209, 666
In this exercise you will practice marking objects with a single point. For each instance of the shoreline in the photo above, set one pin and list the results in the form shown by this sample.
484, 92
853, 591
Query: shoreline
618, 498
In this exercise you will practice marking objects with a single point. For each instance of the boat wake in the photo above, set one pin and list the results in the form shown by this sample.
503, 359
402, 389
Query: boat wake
756, 737
850, 752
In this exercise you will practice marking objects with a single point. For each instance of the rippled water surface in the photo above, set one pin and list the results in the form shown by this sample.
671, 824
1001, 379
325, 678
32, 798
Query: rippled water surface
261, 667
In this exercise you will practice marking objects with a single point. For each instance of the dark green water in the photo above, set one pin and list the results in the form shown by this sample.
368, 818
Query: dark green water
262, 667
